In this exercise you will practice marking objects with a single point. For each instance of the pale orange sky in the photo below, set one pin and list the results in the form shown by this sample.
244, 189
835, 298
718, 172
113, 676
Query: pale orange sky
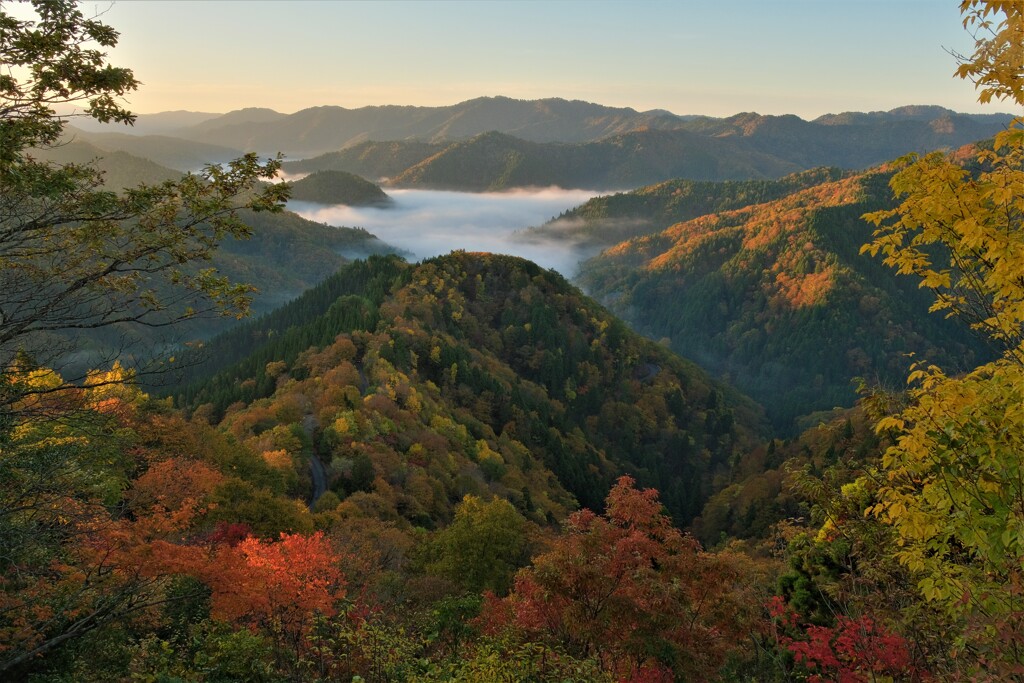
807, 57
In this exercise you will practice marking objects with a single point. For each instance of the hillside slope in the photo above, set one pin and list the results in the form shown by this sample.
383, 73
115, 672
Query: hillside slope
609, 219
338, 187
509, 354
776, 297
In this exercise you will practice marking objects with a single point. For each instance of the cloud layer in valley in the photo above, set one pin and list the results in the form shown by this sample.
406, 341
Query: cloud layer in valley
431, 222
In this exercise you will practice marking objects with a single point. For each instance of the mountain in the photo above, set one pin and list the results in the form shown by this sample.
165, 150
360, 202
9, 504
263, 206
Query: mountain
496, 161
120, 169
775, 297
284, 255
174, 153
338, 187
237, 119
318, 130
925, 113
741, 147
608, 219
852, 141
376, 160
488, 350
163, 123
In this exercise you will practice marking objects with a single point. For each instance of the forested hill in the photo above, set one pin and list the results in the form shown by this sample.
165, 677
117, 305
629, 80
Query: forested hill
609, 219
776, 298
490, 356
497, 161
338, 187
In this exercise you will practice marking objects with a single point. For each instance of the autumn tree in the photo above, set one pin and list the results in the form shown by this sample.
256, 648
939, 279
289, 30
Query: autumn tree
280, 586
77, 550
952, 486
75, 257
628, 589
70, 563
483, 546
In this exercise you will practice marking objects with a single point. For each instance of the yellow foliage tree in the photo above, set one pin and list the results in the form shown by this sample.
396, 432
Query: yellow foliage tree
953, 484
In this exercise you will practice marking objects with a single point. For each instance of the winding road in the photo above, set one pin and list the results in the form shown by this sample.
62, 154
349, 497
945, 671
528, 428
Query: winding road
317, 472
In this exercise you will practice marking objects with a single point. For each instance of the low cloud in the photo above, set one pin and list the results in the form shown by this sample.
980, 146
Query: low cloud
596, 233
430, 222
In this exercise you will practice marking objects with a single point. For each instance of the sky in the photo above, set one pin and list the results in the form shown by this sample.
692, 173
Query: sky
711, 57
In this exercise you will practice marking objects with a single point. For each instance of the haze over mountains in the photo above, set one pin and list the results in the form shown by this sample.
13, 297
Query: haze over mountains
705, 265
497, 143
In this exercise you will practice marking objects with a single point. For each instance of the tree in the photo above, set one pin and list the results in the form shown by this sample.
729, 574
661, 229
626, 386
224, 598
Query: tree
81, 547
483, 546
75, 257
628, 589
953, 486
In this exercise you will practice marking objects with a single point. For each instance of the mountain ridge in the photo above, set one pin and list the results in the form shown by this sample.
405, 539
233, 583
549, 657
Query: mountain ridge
517, 353
316, 130
777, 297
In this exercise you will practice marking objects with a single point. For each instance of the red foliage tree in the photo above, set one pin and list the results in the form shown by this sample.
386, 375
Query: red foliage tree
628, 589
854, 650
279, 586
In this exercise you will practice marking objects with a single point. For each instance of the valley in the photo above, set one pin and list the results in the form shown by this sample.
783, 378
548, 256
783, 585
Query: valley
426, 223
515, 388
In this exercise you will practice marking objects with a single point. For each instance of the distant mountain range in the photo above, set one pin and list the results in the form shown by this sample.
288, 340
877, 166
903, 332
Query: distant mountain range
174, 153
146, 124
741, 147
496, 161
850, 139
319, 129
853, 141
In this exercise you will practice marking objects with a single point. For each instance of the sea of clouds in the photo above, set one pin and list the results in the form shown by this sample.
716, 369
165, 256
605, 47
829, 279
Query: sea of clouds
427, 223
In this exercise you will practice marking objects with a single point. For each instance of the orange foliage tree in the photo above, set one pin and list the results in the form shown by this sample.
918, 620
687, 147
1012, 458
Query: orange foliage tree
628, 589
280, 587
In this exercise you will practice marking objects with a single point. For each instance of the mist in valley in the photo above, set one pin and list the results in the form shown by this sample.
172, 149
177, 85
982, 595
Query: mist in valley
427, 223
